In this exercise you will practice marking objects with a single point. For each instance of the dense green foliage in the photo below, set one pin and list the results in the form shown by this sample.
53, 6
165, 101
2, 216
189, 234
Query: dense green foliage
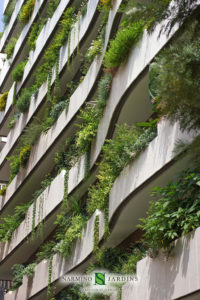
9, 49
176, 213
24, 99
18, 72
176, 79
19, 271
3, 100
9, 11
92, 114
11, 222
52, 52
120, 47
26, 11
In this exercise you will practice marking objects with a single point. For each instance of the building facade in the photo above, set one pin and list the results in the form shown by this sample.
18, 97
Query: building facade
98, 107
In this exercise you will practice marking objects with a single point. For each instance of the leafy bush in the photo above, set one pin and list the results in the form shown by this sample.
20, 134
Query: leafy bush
120, 47
105, 5
72, 234
24, 155
24, 99
3, 100
129, 142
3, 191
14, 166
11, 222
19, 271
176, 80
10, 47
26, 11
176, 213
18, 72
32, 38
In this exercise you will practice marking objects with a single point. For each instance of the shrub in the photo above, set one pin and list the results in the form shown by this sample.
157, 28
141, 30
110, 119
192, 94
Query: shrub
92, 115
176, 213
3, 99
18, 72
32, 38
8, 13
14, 166
120, 47
26, 11
10, 47
24, 99
3, 191
176, 80
24, 155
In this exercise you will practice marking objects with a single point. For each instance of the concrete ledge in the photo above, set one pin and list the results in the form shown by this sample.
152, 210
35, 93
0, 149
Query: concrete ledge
176, 278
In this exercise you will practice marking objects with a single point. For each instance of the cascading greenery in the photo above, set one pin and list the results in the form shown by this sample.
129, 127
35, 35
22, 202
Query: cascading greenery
3, 100
176, 79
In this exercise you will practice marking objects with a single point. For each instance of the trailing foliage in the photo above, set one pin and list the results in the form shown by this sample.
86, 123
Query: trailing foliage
11, 222
120, 47
9, 49
92, 115
19, 271
26, 11
18, 72
51, 54
176, 79
176, 213
24, 155
3, 100
129, 142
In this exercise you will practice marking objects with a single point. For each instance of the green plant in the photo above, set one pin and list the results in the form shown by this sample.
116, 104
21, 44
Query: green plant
3, 191
45, 251
31, 133
96, 235
18, 72
24, 155
9, 49
105, 5
11, 222
92, 115
29, 270
14, 166
51, 54
17, 276
26, 11
72, 234
176, 213
176, 80
3, 100
120, 47
32, 38
24, 99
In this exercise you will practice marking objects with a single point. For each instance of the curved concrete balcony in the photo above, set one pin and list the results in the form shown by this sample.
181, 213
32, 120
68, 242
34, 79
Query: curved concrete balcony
144, 165
20, 50
177, 278
83, 249
42, 154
